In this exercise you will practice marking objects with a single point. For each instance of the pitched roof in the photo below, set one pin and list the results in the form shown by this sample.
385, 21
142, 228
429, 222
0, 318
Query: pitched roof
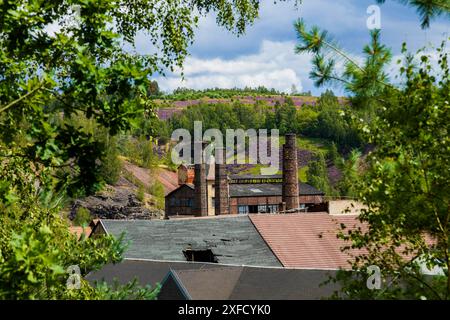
239, 283
233, 240
210, 283
306, 240
185, 185
146, 272
268, 189
283, 284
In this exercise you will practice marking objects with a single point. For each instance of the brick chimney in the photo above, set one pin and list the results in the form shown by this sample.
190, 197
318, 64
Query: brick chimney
221, 189
200, 188
290, 192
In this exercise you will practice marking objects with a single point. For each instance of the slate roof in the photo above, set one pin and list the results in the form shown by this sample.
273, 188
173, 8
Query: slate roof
306, 240
252, 283
209, 283
215, 281
146, 272
234, 240
268, 189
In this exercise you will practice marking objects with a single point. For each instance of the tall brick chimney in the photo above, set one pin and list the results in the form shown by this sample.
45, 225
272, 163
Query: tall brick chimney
221, 189
200, 188
290, 190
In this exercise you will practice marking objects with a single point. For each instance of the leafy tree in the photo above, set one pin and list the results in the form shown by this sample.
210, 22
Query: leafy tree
405, 188
60, 60
82, 217
317, 174
81, 67
328, 123
350, 168
153, 89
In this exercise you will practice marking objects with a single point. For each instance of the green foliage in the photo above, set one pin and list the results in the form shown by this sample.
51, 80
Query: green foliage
183, 94
111, 165
129, 291
317, 175
331, 124
405, 186
139, 151
321, 121
157, 191
427, 9
36, 247
82, 217
83, 67
140, 193
350, 168
365, 81
57, 88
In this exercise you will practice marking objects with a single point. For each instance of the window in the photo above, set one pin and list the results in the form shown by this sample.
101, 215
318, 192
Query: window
262, 208
200, 255
242, 209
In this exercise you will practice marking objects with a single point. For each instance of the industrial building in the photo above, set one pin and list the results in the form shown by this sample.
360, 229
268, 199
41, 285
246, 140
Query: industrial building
207, 190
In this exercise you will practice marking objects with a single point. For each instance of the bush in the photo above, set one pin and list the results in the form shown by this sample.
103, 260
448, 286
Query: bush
157, 191
111, 165
140, 193
82, 217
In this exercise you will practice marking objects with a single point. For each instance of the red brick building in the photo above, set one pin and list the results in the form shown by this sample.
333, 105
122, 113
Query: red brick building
215, 193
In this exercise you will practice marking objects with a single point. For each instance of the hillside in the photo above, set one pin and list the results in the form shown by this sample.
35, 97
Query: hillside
169, 107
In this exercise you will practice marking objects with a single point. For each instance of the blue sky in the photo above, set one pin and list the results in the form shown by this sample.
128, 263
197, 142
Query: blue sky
265, 54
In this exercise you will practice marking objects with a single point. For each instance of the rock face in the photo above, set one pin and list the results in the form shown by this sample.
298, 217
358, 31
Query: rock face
116, 203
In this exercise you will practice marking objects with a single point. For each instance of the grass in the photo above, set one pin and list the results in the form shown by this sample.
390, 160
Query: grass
302, 174
315, 145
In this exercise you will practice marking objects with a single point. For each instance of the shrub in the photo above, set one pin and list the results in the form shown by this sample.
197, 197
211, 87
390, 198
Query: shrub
82, 217
111, 165
140, 193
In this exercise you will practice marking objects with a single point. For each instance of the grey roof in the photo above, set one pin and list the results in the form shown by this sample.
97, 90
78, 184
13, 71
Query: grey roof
234, 240
268, 189
209, 283
252, 283
146, 272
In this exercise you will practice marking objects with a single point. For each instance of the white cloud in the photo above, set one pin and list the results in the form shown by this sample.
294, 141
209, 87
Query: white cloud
274, 66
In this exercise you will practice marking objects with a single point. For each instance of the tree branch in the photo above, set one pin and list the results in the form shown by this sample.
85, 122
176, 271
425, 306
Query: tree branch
9, 105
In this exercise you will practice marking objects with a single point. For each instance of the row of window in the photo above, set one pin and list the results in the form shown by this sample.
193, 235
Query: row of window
264, 208
181, 202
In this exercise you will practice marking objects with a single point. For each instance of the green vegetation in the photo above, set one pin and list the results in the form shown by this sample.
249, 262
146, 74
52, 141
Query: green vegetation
82, 217
406, 188
317, 175
157, 191
56, 89
402, 181
183, 94
427, 9
140, 193
322, 123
